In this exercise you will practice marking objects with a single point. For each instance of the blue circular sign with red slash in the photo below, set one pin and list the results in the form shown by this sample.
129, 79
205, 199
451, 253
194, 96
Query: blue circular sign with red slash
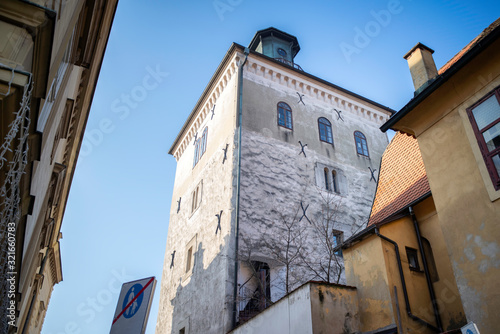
136, 302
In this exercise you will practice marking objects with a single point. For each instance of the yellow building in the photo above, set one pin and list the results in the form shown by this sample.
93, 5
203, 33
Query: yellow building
429, 260
50, 57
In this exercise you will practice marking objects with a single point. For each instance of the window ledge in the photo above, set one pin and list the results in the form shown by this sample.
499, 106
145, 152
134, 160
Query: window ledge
363, 156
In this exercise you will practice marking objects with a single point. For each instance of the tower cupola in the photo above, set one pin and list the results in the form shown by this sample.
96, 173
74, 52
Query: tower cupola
276, 44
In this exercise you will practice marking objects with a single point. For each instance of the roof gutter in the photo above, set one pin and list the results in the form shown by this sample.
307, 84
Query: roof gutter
441, 79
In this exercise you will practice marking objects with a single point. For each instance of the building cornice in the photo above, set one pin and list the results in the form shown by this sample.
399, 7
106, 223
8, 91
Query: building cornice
275, 71
225, 71
266, 69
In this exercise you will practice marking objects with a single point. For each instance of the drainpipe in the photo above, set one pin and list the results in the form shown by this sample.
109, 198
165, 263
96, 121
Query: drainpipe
435, 306
239, 105
403, 283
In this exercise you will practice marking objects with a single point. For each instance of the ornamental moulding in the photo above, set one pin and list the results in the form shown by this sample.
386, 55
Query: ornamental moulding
208, 103
279, 75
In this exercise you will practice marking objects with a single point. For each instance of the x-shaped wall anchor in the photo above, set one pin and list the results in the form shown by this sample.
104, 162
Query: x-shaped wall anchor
213, 112
179, 204
373, 174
302, 149
339, 116
195, 138
300, 98
225, 153
218, 215
304, 212
173, 257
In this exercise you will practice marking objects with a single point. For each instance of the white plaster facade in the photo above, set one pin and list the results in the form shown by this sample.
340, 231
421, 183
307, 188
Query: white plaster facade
198, 290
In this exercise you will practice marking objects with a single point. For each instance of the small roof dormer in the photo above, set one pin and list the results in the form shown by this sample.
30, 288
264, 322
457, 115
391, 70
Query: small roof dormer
275, 44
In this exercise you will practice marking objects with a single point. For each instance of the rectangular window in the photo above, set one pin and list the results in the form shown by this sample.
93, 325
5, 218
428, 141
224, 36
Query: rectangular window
196, 197
485, 120
338, 237
189, 258
412, 255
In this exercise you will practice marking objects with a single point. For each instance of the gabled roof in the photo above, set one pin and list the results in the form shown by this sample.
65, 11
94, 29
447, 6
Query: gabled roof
402, 179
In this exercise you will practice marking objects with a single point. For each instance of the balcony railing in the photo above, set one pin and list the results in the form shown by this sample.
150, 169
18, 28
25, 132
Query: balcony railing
289, 63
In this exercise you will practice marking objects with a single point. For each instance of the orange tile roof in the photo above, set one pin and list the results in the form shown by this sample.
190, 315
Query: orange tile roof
469, 46
402, 178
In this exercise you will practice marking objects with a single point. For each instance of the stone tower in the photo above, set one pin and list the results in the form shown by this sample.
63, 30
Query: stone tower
269, 156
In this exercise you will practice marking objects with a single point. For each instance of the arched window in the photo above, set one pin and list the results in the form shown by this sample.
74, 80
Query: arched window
361, 145
334, 182
200, 146
327, 181
285, 115
325, 130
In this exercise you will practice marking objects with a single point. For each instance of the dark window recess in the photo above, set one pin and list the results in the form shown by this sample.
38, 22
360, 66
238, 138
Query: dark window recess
182, 331
412, 255
330, 180
429, 256
334, 181
485, 120
361, 144
285, 115
189, 259
327, 181
325, 130
196, 198
337, 241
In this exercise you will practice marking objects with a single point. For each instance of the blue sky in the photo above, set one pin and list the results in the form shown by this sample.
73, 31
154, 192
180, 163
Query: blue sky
160, 56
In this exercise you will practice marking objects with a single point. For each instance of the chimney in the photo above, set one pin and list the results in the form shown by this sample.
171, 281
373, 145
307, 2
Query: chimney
422, 67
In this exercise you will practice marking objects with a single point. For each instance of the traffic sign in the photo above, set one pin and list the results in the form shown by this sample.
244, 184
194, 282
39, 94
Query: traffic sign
132, 310
470, 328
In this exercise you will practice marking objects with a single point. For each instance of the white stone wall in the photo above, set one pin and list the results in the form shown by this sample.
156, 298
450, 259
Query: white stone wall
200, 300
276, 177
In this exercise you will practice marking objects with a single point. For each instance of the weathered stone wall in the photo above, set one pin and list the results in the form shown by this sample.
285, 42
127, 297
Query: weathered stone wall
274, 180
200, 300
276, 177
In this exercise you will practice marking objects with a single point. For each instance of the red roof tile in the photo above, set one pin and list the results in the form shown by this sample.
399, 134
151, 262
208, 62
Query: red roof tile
402, 178
476, 40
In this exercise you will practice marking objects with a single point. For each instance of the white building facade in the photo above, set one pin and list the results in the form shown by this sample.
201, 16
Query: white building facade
274, 168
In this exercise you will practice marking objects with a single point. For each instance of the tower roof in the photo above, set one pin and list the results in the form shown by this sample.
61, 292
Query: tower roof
277, 33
